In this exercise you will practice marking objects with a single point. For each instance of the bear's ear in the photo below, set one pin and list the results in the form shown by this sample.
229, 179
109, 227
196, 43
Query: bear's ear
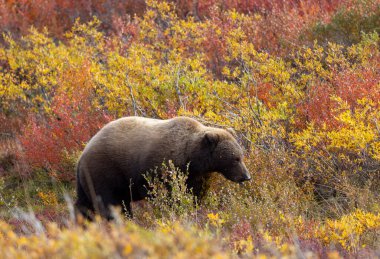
232, 132
210, 139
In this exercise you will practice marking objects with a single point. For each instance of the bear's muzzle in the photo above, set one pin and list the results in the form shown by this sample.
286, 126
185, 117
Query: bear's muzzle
245, 176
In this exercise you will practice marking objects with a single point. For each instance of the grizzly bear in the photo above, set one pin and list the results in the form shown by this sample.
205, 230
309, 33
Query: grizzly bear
111, 168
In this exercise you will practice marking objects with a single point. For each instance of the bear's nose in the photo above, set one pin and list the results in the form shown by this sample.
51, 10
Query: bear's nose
245, 174
246, 177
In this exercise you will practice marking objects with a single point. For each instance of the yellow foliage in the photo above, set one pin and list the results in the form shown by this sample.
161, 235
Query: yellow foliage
215, 220
351, 230
357, 134
244, 246
48, 198
108, 240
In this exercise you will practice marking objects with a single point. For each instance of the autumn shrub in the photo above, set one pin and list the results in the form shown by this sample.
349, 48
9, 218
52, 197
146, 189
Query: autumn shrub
348, 151
29, 74
49, 144
49, 82
353, 231
169, 196
348, 72
273, 195
346, 26
173, 238
127, 239
341, 100
59, 16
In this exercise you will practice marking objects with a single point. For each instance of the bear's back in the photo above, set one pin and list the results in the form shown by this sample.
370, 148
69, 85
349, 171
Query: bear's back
133, 139
127, 124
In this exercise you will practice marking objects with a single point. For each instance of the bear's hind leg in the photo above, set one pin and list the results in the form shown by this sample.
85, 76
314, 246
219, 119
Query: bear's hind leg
106, 200
83, 206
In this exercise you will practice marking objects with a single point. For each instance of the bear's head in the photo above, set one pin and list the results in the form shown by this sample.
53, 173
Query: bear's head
222, 153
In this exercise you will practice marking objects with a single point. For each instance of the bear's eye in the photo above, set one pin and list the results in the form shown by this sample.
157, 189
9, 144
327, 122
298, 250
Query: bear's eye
237, 159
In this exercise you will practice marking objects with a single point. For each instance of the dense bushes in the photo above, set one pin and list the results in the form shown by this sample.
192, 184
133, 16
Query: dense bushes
307, 111
54, 144
347, 25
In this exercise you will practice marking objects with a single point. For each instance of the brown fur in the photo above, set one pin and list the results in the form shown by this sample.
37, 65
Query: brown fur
112, 165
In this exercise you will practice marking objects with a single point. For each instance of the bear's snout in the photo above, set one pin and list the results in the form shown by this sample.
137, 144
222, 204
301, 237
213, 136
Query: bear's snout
247, 177
244, 176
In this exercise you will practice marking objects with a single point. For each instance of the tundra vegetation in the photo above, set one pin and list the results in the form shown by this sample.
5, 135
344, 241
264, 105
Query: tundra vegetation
298, 81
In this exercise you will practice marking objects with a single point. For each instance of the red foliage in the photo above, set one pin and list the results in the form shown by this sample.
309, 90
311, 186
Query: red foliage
72, 124
59, 15
317, 106
360, 84
203, 7
265, 93
215, 45
241, 231
348, 85
275, 30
